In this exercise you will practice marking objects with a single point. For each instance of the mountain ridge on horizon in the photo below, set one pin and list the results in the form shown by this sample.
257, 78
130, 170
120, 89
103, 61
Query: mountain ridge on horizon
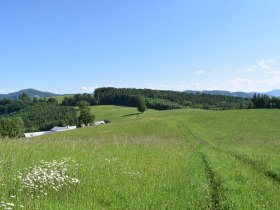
272, 93
33, 93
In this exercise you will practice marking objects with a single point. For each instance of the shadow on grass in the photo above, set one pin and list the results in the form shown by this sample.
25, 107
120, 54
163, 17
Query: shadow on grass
127, 115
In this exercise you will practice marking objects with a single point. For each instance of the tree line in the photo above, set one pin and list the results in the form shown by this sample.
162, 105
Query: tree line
260, 101
157, 99
164, 100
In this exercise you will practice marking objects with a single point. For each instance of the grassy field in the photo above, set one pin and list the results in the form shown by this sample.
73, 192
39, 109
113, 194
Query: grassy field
178, 159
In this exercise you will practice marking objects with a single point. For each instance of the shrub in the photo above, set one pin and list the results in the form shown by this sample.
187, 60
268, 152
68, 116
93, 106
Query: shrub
11, 127
107, 121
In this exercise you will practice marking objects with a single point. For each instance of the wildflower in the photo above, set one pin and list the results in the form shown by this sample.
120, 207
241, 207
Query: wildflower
10, 204
52, 175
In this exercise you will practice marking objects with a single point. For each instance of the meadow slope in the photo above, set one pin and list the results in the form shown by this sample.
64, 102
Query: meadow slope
177, 159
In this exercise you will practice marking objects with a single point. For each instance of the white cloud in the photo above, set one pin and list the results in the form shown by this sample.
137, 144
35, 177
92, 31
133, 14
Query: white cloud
250, 69
273, 82
273, 72
262, 76
88, 89
162, 86
239, 82
194, 84
262, 84
266, 64
178, 87
200, 72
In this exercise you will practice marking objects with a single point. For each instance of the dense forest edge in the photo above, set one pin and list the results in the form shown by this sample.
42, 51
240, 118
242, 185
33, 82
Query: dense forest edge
158, 99
27, 114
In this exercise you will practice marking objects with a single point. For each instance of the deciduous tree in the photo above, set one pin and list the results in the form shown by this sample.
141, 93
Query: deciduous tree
142, 107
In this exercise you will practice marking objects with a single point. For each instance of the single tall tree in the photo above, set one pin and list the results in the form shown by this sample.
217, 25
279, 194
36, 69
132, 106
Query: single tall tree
85, 116
141, 107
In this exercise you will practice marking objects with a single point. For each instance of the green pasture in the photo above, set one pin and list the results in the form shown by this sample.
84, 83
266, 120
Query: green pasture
177, 159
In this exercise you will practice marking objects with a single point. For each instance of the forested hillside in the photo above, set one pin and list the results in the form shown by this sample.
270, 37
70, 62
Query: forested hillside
8, 106
158, 99
28, 115
45, 116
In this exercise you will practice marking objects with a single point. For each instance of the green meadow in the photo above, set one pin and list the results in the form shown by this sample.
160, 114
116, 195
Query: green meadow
177, 159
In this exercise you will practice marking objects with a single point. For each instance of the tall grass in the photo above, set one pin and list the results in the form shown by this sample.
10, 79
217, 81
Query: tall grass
179, 159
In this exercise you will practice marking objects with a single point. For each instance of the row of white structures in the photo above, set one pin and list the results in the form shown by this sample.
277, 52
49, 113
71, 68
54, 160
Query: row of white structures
56, 129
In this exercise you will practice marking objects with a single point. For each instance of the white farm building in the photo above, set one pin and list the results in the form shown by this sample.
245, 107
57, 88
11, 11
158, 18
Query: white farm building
54, 129
99, 123
33, 134
67, 128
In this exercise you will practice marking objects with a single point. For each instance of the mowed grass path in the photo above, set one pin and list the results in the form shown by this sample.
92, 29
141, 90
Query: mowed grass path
179, 159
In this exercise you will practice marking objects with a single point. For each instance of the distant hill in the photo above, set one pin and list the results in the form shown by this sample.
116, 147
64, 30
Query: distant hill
275, 93
271, 93
221, 92
32, 93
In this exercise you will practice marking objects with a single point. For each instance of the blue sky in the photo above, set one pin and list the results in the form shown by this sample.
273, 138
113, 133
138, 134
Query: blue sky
69, 46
